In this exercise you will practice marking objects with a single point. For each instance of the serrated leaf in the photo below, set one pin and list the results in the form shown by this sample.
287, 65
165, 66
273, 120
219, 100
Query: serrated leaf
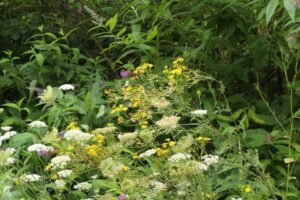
40, 59
272, 5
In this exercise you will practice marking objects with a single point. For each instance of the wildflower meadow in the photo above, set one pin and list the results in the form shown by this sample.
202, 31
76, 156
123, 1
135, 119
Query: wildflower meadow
149, 100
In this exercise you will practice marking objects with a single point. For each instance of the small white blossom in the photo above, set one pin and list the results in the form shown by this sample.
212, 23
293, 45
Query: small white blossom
148, 153
105, 130
77, 135
6, 128
37, 124
158, 186
170, 122
60, 183
10, 151
83, 186
199, 113
66, 87
10, 161
201, 166
59, 162
65, 173
210, 159
236, 198
32, 178
288, 160
179, 156
7, 135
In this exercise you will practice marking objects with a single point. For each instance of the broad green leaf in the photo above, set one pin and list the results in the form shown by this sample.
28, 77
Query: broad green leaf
152, 33
11, 105
290, 8
23, 138
271, 9
255, 137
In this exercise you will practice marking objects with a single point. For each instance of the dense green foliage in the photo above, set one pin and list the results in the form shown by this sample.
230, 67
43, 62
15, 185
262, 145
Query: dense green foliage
250, 47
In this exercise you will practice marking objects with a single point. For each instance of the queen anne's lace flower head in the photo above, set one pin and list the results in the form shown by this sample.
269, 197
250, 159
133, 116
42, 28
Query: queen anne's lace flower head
31, 178
83, 186
59, 162
210, 159
199, 113
66, 87
64, 173
40, 148
170, 122
37, 124
6, 128
60, 183
148, 153
77, 135
179, 156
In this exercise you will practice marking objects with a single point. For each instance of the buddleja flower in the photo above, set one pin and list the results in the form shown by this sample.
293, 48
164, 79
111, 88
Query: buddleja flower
170, 122
66, 87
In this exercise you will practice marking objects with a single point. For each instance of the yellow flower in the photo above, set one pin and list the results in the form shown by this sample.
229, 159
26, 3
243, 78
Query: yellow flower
119, 108
135, 156
53, 176
72, 126
48, 167
99, 138
164, 145
70, 148
125, 168
168, 140
141, 69
247, 188
161, 152
120, 120
92, 150
144, 124
203, 139
172, 143
178, 60
110, 124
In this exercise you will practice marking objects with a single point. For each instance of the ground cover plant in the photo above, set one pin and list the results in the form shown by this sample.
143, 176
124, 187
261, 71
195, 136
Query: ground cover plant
149, 100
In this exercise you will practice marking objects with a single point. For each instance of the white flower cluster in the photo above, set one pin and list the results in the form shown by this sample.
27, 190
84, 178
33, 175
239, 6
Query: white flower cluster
77, 135
158, 186
105, 130
40, 147
37, 124
159, 103
148, 153
66, 87
7, 136
210, 159
127, 137
10, 160
6, 128
31, 178
64, 173
83, 186
199, 113
60, 183
236, 198
170, 122
179, 156
200, 166
59, 162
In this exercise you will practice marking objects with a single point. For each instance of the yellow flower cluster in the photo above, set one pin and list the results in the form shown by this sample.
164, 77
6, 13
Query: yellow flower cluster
141, 69
118, 109
164, 150
134, 94
72, 126
93, 150
176, 70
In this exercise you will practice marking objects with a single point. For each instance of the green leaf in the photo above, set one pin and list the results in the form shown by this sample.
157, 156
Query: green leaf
271, 9
255, 137
40, 59
152, 33
11, 105
23, 138
290, 8
112, 22
121, 32
101, 111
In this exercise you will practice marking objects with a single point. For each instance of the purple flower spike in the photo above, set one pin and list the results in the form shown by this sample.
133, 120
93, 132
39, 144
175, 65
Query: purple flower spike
122, 197
125, 73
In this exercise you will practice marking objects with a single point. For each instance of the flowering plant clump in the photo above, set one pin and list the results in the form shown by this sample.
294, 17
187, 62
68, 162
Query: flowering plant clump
151, 139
